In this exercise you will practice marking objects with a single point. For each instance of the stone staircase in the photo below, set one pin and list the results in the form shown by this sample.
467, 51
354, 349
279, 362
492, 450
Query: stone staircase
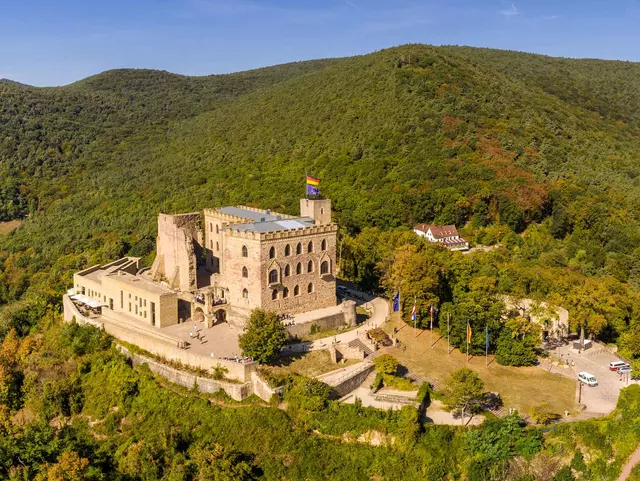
419, 380
358, 344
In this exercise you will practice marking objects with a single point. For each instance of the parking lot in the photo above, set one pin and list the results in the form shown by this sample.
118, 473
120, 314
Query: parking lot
602, 398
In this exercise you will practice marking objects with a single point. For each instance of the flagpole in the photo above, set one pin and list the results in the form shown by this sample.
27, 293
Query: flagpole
448, 334
467, 341
415, 319
486, 344
431, 327
306, 189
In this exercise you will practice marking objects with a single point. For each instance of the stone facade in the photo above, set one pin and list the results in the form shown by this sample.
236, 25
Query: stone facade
241, 259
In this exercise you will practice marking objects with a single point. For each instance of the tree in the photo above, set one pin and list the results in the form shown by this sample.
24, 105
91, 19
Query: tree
386, 364
70, 467
564, 474
518, 343
264, 338
220, 464
464, 390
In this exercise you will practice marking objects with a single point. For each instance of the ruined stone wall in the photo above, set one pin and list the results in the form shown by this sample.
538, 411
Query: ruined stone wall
322, 323
177, 250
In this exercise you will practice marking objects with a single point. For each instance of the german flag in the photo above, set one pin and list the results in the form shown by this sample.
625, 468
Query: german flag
313, 181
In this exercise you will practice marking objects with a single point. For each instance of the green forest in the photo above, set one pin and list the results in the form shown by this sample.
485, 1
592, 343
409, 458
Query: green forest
540, 155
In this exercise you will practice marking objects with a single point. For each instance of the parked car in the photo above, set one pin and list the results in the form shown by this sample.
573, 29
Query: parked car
624, 370
615, 365
573, 337
587, 378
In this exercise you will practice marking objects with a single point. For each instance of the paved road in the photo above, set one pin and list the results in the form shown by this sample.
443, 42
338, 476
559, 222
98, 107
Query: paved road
630, 464
379, 308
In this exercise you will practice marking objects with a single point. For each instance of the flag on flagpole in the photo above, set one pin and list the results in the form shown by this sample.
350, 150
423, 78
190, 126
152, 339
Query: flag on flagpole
486, 338
414, 311
468, 332
311, 180
396, 302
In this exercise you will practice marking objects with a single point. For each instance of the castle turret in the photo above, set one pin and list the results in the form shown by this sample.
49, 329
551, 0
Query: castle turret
318, 209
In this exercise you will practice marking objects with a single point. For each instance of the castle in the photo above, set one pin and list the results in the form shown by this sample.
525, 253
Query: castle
220, 265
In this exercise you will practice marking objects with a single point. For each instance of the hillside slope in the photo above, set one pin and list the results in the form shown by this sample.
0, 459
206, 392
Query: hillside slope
45, 130
407, 134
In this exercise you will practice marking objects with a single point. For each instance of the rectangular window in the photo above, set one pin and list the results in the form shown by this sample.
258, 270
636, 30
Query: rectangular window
145, 303
153, 313
129, 307
145, 314
136, 310
111, 304
121, 300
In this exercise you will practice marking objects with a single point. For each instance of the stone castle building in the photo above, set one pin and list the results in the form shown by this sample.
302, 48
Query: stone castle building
220, 265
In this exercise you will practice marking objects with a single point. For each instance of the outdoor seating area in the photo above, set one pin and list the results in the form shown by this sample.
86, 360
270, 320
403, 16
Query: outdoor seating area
86, 304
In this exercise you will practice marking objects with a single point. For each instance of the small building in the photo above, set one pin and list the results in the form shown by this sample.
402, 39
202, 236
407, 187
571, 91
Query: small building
446, 235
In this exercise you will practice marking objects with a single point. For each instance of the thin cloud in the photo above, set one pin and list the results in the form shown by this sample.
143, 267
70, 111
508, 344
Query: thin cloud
510, 12
348, 2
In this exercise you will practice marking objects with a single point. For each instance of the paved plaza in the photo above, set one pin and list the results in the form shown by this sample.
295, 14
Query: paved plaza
602, 398
221, 339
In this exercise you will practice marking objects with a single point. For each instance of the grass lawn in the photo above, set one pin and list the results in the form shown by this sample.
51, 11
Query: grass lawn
519, 387
310, 364
6, 227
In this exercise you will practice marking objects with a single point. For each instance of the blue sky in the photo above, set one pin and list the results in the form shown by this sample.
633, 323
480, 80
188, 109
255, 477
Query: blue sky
46, 42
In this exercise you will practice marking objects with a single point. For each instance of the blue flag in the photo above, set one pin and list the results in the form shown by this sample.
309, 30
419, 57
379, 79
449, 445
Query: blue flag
396, 302
487, 337
312, 190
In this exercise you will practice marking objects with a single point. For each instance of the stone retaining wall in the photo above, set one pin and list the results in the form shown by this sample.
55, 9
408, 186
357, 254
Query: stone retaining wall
351, 381
159, 344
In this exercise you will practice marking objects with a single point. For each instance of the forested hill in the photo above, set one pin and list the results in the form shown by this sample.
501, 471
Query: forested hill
43, 131
409, 134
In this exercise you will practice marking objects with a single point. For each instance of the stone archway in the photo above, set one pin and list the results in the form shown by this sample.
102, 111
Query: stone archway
198, 315
221, 316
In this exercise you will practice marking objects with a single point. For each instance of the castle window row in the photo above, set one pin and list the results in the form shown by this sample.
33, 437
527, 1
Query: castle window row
287, 249
275, 295
274, 276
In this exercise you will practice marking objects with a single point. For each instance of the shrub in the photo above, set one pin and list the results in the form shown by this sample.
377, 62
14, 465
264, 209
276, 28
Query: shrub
386, 364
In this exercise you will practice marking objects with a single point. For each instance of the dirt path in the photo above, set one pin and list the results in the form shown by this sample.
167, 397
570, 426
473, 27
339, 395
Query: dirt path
630, 464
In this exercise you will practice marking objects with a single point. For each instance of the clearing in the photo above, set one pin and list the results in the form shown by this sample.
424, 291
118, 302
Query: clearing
11, 225
519, 387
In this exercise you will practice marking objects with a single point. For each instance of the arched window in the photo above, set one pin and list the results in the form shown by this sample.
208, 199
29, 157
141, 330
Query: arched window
285, 293
310, 287
273, 276
323, 245
217, 229
274, 294
287, 250
211, 244
324, 267
296, 291
245, 251
245, 293
299, 268
287, 270
299, 248
272, 252
310, 266
245, 272
310, 246
217, 246
210, 227
321, 210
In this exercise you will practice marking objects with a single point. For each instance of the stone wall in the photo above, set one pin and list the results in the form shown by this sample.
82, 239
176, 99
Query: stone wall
324, 286
351, 381
158, 343
328, 322
177, 250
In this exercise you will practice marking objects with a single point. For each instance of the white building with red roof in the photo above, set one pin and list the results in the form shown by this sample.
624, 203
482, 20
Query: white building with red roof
445, 234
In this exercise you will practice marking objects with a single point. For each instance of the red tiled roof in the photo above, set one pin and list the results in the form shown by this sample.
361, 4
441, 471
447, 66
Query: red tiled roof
438, 231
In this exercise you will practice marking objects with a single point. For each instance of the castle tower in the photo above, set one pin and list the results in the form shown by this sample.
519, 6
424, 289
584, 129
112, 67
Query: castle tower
318, 209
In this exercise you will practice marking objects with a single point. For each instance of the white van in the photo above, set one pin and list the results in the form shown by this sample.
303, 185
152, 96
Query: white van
615, 365
587, 378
